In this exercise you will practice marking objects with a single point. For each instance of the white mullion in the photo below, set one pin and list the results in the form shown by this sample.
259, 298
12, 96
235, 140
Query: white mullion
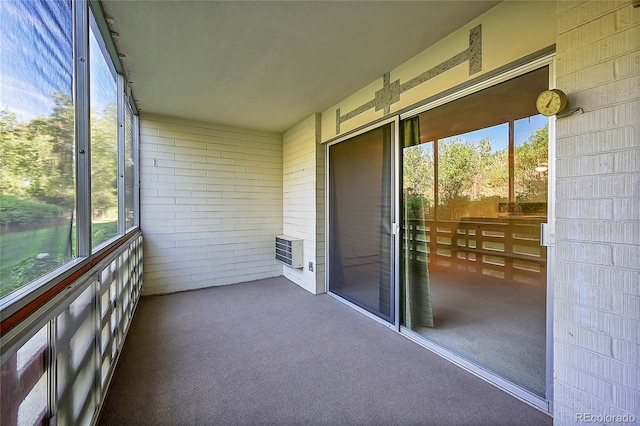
136, 170
121, 156
82, 128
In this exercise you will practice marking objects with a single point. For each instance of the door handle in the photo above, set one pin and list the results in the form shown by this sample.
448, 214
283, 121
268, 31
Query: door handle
546, 238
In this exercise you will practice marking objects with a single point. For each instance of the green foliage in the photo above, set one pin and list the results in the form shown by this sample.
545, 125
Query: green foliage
103, 232
414, 207
17, 246
15, 212
473, 180
458, 164
38, 157
19, 251
31, 268
104, 159
37, 183
531, 185
418, 175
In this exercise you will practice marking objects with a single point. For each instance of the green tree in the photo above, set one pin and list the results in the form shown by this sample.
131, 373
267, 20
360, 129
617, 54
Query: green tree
27, 157
62, 167
38, 156
472, 180
418, 177
457, 167
104, 159
530, 174
495, 174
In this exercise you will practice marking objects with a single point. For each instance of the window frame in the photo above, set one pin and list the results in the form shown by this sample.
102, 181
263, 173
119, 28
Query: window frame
545, 60
523, 66
20, 303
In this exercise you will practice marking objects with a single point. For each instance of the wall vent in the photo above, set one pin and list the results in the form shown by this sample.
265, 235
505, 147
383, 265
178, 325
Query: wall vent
289, 251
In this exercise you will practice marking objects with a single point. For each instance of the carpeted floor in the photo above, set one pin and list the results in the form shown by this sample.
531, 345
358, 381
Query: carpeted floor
268, 352
496, 323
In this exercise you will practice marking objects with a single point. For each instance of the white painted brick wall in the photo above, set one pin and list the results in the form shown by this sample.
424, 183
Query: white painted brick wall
597, 287
303, 199
211, 204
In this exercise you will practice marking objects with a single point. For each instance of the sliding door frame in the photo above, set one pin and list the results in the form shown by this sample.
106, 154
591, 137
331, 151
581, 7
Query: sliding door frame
395, 216
547, 233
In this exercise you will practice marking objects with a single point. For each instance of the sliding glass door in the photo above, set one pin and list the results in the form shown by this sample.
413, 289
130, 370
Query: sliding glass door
474, 185
446, 246
361, 193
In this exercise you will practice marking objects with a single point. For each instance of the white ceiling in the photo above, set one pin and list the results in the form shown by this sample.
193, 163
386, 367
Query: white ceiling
266, 65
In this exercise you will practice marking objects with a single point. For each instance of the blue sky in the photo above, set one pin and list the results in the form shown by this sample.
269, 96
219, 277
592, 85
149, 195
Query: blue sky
37, 58
500, 134
103, 86
37, 55
526, 126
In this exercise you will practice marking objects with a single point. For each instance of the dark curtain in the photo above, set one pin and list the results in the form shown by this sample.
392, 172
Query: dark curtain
416, 301
385, 303
411, 132
336, 269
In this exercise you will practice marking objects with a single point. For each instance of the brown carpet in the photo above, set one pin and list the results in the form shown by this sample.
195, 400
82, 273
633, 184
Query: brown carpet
499, 324
268, 352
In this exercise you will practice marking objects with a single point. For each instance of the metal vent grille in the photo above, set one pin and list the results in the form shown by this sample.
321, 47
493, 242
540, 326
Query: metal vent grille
289, 251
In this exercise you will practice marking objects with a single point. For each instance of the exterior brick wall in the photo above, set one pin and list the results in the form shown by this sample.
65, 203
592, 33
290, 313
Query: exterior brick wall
303, 199
597, 287
211, 200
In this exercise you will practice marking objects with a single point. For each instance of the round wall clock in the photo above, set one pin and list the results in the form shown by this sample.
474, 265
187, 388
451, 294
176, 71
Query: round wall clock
551, 102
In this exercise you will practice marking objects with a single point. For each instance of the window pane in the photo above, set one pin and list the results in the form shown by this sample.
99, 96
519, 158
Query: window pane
129, 186
37, 175
104, 142
473, 278
417, 181
531, 165
473, 173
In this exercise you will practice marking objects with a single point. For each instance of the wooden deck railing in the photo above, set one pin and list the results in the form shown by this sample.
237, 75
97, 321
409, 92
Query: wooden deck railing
506, 248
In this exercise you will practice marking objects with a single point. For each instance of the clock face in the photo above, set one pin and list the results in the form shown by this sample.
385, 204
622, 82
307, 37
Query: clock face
551, 102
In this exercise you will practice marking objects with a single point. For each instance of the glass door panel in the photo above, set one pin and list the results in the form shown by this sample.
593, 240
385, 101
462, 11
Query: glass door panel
360, 217
473, 277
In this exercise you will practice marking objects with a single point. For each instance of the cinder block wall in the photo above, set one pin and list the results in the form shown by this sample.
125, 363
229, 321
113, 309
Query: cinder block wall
303, 199
597, 290
211, 204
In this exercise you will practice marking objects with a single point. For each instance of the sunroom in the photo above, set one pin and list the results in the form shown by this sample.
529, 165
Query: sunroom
464, 174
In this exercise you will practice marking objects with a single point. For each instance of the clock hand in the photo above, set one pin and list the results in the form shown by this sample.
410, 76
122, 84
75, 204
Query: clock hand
549, 103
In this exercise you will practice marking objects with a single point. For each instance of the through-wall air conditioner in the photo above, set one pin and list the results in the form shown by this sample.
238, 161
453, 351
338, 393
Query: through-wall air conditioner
289, 251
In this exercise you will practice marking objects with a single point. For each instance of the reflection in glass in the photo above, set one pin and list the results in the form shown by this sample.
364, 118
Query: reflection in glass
473, 173
104, 141
473, 277
531, 165
418, 179
37, 178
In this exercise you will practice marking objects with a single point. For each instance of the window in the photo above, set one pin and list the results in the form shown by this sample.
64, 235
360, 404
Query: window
475, 193
490, 155
37, 180
104, 141
44, 198
129, 167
